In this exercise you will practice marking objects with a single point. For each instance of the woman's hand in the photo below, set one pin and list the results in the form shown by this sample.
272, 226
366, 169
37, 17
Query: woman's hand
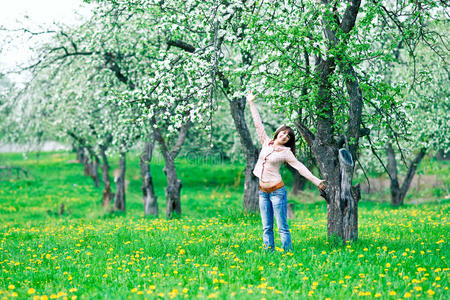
322, 185
250, 97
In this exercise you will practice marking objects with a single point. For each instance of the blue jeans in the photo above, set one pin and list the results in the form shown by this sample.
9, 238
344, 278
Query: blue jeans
271, 204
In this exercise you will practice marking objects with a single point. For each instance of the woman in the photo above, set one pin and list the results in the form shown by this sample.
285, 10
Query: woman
272, 194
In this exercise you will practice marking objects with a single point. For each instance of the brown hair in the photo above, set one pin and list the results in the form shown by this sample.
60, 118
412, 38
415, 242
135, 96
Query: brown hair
291, 142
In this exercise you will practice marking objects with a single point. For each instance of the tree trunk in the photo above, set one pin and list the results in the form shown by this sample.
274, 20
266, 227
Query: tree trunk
251, 183
251, 187
91, 163
350, 205
396, 199
150, 199
337, 166
342, 199
298, 182
107, 194
87, 165
442, 155
411, 172
119, 199
80, 154
173, 189
94, 171
340, 196
398, 193
173, 203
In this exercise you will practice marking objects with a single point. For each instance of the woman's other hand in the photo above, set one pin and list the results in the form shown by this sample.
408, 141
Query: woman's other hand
250, 97
322, 185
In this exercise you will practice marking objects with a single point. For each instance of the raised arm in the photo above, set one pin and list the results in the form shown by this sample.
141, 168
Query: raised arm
262, 135
304, 170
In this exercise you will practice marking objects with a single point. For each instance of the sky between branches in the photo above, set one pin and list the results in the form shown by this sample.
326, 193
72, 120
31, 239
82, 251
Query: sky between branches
37, 16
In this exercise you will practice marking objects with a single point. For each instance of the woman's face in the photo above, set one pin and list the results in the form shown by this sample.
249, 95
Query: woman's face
283, 137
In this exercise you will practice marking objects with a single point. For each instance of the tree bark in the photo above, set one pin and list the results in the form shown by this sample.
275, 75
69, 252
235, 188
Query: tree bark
87, 165
80, 154
90, 161
94, 171
341, 204
398, 193
411, 172
91, 167
350, 212
340, 196
119, 199
173, 189
173, 203
107, 194
149, 197
392, 169
251, 182
298, 181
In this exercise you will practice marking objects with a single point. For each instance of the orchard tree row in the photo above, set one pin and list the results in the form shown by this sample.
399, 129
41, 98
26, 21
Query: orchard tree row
366, 76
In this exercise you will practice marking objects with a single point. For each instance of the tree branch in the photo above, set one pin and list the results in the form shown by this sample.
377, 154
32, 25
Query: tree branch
350, 14
182, 45
181, 138
307, 134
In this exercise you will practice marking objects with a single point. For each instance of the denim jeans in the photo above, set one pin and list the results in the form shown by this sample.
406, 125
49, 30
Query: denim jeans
271, 204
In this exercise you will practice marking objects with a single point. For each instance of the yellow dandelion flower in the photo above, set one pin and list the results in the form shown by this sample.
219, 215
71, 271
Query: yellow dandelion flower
392, 293
430, 292
31, 291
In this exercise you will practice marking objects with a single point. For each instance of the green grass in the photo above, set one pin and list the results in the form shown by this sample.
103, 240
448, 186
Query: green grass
214, 250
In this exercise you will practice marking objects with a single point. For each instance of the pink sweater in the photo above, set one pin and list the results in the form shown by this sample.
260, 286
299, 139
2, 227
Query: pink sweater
268, 166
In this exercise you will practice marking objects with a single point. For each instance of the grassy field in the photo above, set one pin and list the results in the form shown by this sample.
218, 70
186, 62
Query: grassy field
214, 250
